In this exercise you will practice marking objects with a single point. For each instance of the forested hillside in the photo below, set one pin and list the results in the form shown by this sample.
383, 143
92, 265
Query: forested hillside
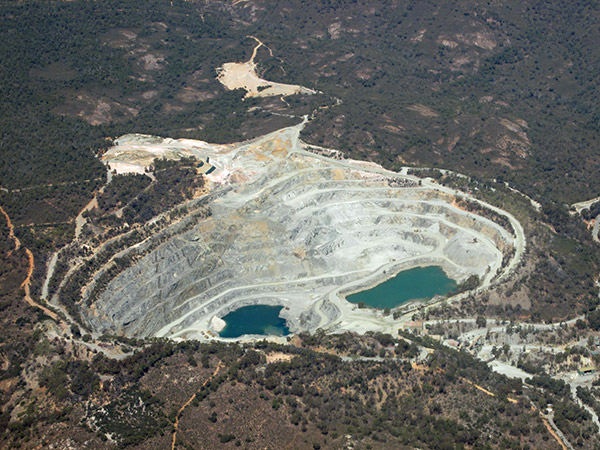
504, 92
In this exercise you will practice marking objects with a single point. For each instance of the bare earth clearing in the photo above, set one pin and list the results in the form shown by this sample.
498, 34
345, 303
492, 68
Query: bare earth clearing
243, 76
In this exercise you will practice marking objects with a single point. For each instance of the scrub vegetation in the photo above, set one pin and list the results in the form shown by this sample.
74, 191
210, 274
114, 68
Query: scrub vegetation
500, 91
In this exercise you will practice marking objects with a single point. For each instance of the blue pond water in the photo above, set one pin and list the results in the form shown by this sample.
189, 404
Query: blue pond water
417, 283
254, 319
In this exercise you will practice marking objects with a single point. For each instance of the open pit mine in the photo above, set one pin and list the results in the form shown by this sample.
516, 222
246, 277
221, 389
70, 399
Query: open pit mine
291, 225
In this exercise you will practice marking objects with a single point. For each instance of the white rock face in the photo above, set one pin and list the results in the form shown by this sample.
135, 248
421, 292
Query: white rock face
217, 324
465, 250
290, 228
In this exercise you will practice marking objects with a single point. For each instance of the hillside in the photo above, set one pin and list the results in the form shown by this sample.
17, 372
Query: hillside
145, 168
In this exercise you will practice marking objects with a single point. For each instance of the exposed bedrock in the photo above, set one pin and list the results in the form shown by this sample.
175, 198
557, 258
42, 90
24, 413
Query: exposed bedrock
290, 228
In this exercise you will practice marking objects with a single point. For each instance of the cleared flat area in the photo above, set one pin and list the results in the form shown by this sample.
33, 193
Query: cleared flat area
235, 75
243, 76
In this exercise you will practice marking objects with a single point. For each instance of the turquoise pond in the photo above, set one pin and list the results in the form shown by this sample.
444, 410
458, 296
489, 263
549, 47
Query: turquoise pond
413, 284
254, 319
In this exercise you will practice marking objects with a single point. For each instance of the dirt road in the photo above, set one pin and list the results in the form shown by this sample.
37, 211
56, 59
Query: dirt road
26, 283
579, 206
11, 230
31, 266
186, 404
80, 220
